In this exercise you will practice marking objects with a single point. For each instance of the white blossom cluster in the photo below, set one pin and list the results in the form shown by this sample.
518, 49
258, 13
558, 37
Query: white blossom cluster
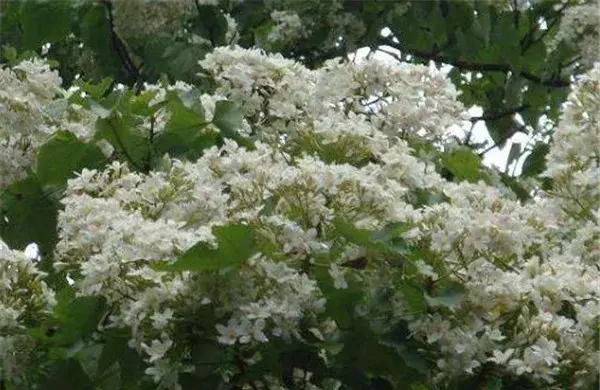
520, 276
25, 299
579, 29
531, 270
293, 20
330, 145
33, 106
288, 26
316, 109
140, 19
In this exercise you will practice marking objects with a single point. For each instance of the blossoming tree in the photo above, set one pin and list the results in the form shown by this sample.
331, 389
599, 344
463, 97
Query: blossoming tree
224, 218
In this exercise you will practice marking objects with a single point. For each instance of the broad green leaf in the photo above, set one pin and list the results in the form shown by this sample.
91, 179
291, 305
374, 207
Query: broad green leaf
211, 25
514, 185
95, 34
184, 134
414, 297
28, 214
63, 155
97, 90
500, 129
228, 118
78, 319
183, 120
483, 23
236, 243
352, 233
117, 354
463, 163
44, 22
68, 374
129, 144
535, 163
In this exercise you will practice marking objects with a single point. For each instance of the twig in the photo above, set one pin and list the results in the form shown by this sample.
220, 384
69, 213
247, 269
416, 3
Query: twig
119, 46
474, 66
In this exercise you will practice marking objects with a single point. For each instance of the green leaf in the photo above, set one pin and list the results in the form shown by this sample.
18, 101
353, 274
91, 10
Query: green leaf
236, 244
95, 34
28, 214
44, 22
341, 303
69, 374
500, 129
211, 24
483, 23
449, 297
494, 383
514, 185
119, 131
78, 319
117, 354
414, 297
184, 135
63, 155
535, 163
351, 233
228, 118
463, 163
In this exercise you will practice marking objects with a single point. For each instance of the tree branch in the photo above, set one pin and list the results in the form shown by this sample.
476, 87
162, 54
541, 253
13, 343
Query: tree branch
473, 66
119, 46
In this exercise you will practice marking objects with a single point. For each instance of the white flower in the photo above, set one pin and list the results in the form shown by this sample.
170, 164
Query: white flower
339, 281
157, 349
161, 319
426, 269
229, 334
500, 357
32, 252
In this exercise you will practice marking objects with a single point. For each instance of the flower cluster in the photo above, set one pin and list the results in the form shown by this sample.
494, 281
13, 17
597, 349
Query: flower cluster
25, 300
580, 29
33, 106
331, 156
140, 19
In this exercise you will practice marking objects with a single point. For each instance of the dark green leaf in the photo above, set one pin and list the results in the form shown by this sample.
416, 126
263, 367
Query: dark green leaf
63, 155
44, 22
236, 244
28, 214
228, 118
69, 375
117, 353
120, 132
464, 164
535, 163
414, 297
78, 319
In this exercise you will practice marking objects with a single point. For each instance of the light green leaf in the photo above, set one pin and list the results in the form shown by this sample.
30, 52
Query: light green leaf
64, 155
464, 164
236, 243
228, 118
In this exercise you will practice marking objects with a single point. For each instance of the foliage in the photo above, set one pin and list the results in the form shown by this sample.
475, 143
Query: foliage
181, 212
